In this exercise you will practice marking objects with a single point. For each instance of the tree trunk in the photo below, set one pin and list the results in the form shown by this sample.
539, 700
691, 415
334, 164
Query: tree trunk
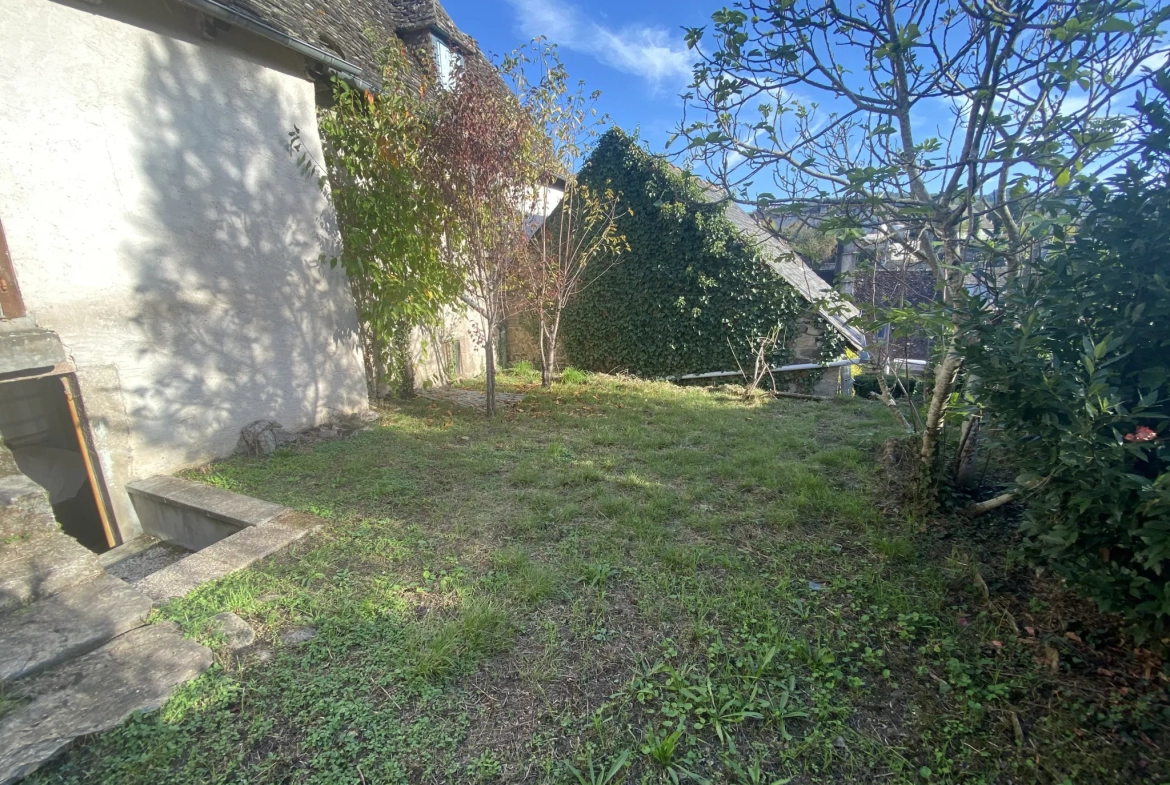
549, 349
545, 364
490, 367
940, 391
403, 365
967, 460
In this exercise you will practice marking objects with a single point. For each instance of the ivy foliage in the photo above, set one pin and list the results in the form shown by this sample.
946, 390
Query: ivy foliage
1073, 365
689, 289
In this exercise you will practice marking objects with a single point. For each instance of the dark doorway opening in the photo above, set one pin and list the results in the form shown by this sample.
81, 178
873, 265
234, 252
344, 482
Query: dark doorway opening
40, 423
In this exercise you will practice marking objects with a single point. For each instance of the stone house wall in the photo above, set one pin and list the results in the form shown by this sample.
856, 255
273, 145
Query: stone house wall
158, 225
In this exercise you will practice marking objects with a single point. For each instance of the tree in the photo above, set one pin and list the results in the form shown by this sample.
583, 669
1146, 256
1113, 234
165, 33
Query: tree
390, 213
840, 104
484, 142
581, 234
1072, 366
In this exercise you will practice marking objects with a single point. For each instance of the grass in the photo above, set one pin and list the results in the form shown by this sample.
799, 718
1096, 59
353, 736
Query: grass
626, 582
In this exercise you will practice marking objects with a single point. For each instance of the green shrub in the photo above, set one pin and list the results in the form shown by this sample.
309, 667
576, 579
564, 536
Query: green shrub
1073, 365
573, 376
688, 285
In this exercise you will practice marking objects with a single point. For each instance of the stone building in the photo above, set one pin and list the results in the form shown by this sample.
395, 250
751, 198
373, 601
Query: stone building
161, 273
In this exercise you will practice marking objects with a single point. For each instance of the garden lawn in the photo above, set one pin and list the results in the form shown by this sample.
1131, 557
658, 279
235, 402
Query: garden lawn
622, 582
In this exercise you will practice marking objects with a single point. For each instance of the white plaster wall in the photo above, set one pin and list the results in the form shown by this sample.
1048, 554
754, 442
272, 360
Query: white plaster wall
159, 225
429, 348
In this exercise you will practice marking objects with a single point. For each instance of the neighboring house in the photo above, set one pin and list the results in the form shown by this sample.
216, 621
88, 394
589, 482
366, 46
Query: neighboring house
161, 274
701, 282
455, 348
874, 271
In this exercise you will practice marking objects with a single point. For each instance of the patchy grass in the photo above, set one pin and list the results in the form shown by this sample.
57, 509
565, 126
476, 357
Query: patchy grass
629, 582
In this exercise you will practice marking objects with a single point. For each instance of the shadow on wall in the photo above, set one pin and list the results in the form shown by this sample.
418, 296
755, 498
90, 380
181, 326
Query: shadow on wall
239, 317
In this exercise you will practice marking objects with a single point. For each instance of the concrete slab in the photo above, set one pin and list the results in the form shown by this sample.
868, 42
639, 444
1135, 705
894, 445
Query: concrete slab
137, 671
26, 347
24, 508
195, 515
127, 550
67, 625
227, 556
136, 568
32, 568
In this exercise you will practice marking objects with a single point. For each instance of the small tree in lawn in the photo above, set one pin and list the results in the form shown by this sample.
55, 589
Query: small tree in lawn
579, 240
963, 130
483, 168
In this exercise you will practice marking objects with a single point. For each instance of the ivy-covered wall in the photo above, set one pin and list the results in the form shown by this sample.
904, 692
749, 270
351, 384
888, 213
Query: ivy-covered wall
688, 286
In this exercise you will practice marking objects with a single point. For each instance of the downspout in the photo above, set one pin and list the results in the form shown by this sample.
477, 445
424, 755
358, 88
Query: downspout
343, 69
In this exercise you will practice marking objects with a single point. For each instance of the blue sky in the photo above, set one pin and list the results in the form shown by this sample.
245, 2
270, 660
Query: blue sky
632, 51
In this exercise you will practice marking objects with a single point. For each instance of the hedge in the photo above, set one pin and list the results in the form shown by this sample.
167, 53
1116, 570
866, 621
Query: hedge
689, 288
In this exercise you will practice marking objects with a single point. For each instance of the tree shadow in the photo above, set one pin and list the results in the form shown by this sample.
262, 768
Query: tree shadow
238, 316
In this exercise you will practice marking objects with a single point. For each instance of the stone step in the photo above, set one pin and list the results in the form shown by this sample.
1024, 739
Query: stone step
194, 515
24, 508
67, 625
127, 550
227, 556
39, 566
136, 671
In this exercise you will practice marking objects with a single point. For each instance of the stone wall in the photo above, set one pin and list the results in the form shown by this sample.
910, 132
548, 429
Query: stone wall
159, 226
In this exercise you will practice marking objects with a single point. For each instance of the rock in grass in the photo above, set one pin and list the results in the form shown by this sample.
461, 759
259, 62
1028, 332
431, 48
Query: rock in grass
298, 635
235, 630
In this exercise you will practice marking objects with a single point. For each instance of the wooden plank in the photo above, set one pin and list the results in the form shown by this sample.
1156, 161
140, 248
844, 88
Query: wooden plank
95, 483
11, 303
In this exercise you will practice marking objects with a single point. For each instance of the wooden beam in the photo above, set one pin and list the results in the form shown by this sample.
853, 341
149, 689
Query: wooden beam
95, 483
11, 303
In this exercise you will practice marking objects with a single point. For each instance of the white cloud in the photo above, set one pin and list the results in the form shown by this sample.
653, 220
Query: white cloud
653, 53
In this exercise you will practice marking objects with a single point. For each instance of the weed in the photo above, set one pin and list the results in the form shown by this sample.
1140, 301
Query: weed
573, 376
601, 775
597, 574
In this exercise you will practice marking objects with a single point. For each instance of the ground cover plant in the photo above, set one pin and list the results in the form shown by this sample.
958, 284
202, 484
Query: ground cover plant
631, 582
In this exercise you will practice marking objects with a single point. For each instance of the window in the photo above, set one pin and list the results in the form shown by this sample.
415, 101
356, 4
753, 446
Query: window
447, 61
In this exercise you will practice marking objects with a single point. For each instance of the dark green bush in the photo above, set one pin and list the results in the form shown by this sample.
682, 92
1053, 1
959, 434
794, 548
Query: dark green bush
1073, 365
688, 285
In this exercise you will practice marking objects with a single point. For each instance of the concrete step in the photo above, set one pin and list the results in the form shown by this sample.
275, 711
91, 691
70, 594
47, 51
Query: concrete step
136, 671
127, 550
24, 507
194, 515
68, 624
227, 556
39, 566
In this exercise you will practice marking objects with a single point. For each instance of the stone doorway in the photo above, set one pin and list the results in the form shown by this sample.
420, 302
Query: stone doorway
43, 425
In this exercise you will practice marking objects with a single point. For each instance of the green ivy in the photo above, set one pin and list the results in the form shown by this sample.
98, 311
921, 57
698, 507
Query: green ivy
688, 290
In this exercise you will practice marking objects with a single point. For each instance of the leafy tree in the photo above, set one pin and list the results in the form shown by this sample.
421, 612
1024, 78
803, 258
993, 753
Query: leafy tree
797, 101
484, 144
390, 213
579, 240
1071, 363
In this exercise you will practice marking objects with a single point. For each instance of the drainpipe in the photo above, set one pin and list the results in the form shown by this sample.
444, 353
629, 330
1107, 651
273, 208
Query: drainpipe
333, 64
864, 357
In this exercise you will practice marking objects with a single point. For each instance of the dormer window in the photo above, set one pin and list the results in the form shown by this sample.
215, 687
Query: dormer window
447, 60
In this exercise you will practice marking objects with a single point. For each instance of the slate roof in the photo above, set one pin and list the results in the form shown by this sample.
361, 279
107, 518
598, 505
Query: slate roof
340, 26
793, 269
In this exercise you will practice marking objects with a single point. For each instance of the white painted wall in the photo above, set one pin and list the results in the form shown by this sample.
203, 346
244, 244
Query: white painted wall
159, 226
